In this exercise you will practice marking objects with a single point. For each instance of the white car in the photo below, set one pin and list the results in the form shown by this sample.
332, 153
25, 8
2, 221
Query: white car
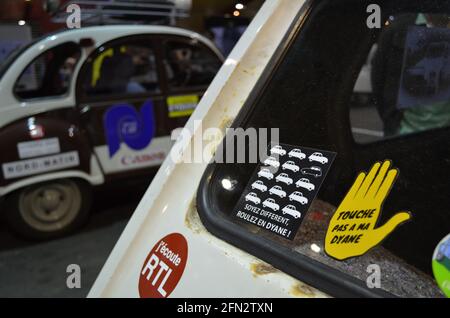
265, 173
297, 153
298, 197
318, 157
305, 184
259, 185
278, 150
271, 161
291, 210
112, 75
284, 178
290, 165
252, 197
277, 190
270, 203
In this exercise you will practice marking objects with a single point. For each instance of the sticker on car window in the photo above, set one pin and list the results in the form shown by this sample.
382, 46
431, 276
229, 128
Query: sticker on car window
441, 265
283, 187
182, 106
352, 231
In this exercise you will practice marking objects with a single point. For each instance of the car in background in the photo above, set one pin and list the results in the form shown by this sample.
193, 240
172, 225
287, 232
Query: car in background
82, 108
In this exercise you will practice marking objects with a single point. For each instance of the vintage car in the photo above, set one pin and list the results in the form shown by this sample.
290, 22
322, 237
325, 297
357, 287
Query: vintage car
295, 69
81, 108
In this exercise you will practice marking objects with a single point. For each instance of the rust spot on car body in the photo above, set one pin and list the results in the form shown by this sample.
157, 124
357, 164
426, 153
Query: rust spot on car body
260, 268
303, 291
192, 220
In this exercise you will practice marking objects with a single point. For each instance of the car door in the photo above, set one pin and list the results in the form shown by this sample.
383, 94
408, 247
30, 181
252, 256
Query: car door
120, 98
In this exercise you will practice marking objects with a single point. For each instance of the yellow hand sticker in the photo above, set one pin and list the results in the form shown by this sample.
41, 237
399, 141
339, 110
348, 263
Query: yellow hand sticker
352, 229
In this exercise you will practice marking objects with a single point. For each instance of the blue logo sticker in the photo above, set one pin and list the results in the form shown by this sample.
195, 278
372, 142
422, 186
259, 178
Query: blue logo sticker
124, 124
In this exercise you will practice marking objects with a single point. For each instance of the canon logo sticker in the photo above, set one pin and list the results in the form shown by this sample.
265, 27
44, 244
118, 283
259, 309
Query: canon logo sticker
164, 266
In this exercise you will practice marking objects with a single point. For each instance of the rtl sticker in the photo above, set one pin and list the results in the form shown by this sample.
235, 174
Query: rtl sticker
352, 229
164, 266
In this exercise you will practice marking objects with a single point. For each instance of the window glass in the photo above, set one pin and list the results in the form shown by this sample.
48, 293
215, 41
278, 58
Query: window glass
189, 65
50, 74
404, 87
126, 68
308, 97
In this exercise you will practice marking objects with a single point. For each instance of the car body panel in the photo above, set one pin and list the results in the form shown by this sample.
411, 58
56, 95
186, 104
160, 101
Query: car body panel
158, 214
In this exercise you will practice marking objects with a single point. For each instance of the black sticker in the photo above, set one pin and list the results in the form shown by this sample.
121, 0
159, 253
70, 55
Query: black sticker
282, 189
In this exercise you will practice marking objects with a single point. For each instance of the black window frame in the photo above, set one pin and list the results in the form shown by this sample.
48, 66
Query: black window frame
312, 272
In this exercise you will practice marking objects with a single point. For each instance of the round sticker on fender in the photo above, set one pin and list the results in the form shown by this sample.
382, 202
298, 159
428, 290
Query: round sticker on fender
164, 266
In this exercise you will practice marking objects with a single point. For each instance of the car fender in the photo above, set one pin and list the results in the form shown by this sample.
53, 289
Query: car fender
66, 138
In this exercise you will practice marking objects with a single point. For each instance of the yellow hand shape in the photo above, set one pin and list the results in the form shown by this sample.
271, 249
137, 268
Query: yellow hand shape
352, 229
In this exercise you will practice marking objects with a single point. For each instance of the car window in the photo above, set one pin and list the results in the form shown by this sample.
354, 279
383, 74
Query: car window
50, 74
127, 67
190, 65
307, 95
404, 86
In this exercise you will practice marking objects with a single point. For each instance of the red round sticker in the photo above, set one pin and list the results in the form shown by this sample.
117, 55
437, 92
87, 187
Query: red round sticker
164, 266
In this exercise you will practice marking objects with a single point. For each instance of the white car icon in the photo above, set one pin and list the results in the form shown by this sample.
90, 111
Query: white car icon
313, 171
252, 197
259, 185
277, 190
270, 203
298, 197
278, 150
265, 173
284, 178
271, 161
291, 210
318, 157
290, 165
305, 184
297, 153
